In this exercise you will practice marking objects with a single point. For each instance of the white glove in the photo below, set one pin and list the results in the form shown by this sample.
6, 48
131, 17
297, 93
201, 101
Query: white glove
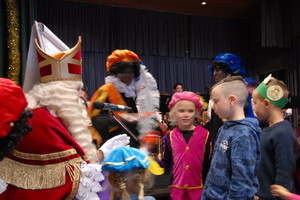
112, 143
3, 186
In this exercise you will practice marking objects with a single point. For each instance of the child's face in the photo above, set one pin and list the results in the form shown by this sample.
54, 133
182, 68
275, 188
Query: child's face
259, 107
221, 103
185, 115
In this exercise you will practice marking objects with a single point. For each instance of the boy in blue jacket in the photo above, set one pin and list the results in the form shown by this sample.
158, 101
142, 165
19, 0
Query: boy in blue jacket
236, 155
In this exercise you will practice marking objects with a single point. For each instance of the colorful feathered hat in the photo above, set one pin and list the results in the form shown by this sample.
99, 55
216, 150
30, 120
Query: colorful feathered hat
232, 61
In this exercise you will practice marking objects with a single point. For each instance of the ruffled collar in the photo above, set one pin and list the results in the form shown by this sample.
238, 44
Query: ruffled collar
128, 90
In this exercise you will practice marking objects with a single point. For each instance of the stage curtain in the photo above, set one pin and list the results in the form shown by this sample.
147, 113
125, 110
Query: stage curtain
3, 40
167, 43
292, 61
276, 23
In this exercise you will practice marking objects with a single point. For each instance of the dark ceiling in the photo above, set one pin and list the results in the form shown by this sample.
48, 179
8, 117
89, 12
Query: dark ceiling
236, 9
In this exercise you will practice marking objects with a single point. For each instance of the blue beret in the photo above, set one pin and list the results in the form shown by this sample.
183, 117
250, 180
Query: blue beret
123, 159
233, 61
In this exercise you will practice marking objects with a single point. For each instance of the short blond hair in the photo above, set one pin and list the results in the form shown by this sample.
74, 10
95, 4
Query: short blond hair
234, 85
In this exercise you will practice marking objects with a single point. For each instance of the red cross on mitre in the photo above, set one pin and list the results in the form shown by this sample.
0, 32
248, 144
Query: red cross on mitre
66, 65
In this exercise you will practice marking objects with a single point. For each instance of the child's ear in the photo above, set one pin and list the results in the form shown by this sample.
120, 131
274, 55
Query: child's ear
267, 103
232, 100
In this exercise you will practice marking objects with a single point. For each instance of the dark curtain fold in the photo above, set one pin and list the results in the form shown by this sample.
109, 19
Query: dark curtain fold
27, 14
210, 36
276, 23
192, 73
105, 28
168, 43
3, 40
94, 70
292, 60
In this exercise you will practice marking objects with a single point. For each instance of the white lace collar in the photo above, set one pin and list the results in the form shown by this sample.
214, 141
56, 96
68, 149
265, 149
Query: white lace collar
128, 90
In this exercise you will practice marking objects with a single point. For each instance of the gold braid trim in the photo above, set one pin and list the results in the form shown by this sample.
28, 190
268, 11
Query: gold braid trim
39, 176
76, 178
44, 157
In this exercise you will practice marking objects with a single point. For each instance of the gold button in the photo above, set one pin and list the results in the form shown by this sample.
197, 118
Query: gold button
187, 167
187, 148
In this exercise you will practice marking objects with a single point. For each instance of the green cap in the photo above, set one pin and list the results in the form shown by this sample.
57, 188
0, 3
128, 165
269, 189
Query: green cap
274, 93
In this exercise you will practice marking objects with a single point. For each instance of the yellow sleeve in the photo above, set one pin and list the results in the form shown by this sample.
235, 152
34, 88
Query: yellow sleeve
100, 95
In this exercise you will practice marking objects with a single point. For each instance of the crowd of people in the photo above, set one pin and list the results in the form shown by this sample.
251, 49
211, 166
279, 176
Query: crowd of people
55, 144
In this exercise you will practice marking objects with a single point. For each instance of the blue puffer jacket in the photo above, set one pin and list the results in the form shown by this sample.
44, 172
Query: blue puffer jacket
234, 165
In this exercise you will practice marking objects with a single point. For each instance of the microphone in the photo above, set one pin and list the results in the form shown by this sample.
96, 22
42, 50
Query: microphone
108, 106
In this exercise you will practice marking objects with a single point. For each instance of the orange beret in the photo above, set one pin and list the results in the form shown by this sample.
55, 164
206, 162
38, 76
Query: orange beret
118, 55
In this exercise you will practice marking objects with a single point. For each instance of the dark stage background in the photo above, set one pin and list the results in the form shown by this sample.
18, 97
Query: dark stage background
174, 47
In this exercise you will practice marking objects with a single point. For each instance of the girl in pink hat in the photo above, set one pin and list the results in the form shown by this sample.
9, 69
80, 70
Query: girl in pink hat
187, 148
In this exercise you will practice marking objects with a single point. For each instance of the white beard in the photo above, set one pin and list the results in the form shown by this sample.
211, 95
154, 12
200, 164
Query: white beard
62, 100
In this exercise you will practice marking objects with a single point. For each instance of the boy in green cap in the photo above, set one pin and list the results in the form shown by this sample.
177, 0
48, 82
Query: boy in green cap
278, 140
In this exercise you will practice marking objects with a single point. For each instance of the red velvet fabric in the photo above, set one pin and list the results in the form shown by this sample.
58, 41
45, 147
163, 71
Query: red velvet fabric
58, 193
48, 136
9, 109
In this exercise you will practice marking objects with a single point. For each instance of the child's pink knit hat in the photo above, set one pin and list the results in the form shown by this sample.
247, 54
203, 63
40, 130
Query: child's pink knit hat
189, 96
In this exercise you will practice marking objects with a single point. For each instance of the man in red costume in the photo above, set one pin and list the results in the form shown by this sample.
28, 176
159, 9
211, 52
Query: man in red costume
51, 161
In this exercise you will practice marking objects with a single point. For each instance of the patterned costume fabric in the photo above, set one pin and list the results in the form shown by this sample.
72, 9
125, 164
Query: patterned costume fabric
234, 165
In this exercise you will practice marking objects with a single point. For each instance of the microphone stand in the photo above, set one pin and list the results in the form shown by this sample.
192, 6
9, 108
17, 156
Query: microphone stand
123, 125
